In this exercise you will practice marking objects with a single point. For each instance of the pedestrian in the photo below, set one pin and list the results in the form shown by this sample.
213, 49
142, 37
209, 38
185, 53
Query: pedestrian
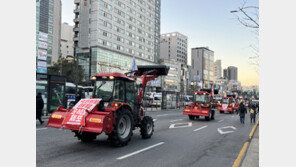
39, 107
253, 113
242, 111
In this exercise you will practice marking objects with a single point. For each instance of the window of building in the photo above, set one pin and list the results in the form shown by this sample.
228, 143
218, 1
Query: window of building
50, 39
50, 8
50, 29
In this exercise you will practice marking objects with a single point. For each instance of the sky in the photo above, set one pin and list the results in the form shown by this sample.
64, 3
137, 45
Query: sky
206, 23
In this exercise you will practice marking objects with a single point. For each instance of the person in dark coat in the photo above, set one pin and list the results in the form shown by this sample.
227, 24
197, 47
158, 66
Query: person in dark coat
242, 111
253, 113
39, 107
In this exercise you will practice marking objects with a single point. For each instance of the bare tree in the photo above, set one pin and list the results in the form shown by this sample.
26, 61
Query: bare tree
248, 16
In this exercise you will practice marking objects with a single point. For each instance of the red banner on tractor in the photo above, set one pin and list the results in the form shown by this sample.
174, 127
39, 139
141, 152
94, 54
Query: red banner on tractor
77, 115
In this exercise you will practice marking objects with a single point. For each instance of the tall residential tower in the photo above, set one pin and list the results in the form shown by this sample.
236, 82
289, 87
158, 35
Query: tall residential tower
107, 34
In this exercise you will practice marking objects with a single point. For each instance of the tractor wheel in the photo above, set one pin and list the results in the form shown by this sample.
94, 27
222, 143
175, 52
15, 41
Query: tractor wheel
86, 136
122, 132
213, 115
191, 117
207, 118
221, 111
196, 117
147, 127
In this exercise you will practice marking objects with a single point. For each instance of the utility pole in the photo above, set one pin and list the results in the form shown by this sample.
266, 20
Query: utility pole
76, 72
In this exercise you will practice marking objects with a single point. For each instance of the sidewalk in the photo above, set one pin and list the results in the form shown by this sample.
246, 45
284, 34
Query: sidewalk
252, 156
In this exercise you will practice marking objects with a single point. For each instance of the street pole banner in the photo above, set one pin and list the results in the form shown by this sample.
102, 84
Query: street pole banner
78, 112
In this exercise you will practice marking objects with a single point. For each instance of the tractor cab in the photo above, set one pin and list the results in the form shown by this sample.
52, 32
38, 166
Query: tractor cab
114, 108
201, 99
202, 105
227, 104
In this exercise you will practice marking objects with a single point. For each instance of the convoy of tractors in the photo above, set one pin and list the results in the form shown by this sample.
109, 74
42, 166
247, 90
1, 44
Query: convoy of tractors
116, 107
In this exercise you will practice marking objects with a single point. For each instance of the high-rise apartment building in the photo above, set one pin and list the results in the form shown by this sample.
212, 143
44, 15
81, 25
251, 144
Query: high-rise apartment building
232, 73
174, 46
67, 43
217, 69
49, 24
109, 33
203, 65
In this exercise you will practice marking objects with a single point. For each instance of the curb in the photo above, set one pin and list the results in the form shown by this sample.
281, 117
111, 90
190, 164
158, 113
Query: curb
243, 151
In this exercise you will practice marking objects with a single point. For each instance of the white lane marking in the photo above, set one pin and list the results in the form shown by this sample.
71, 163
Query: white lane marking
40, 128
154, 120
176, 120
221, 120
225, 132
186, 124
139, 151
200, 128
162, 115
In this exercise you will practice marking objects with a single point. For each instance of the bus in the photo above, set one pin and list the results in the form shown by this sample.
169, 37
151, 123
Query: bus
41, 87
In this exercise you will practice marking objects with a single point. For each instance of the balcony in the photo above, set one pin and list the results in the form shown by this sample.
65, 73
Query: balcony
76, 20
76, 29
76, 10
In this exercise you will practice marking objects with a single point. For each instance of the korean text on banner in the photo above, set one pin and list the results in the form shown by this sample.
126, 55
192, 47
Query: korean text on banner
77, 114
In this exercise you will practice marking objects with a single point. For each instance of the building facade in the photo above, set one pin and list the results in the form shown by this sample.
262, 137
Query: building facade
174, 46
107, 34
217, 69
225, 74
232, 73
67, 43
203, 65
49, 23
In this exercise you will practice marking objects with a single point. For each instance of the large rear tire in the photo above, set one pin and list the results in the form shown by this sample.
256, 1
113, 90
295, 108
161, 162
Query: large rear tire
207, 118
147, 127
191, 117
122, 132
221, 111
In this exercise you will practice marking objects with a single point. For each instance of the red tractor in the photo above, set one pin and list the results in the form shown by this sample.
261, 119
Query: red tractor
115, 107
227, 104
202, 105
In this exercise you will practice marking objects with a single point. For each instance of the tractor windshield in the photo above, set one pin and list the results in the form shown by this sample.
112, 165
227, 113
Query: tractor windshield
202, 98
104, 89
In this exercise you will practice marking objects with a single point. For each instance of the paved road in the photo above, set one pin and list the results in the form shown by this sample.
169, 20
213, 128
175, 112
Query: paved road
177, 141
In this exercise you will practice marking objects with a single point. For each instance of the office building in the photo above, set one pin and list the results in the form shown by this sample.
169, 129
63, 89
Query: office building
50, 24
232, 73
174, 46
202, 66
217, 69
67, 43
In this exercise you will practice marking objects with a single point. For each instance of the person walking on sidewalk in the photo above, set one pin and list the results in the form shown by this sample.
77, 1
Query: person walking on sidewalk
39, 107
253, 112
242, 111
